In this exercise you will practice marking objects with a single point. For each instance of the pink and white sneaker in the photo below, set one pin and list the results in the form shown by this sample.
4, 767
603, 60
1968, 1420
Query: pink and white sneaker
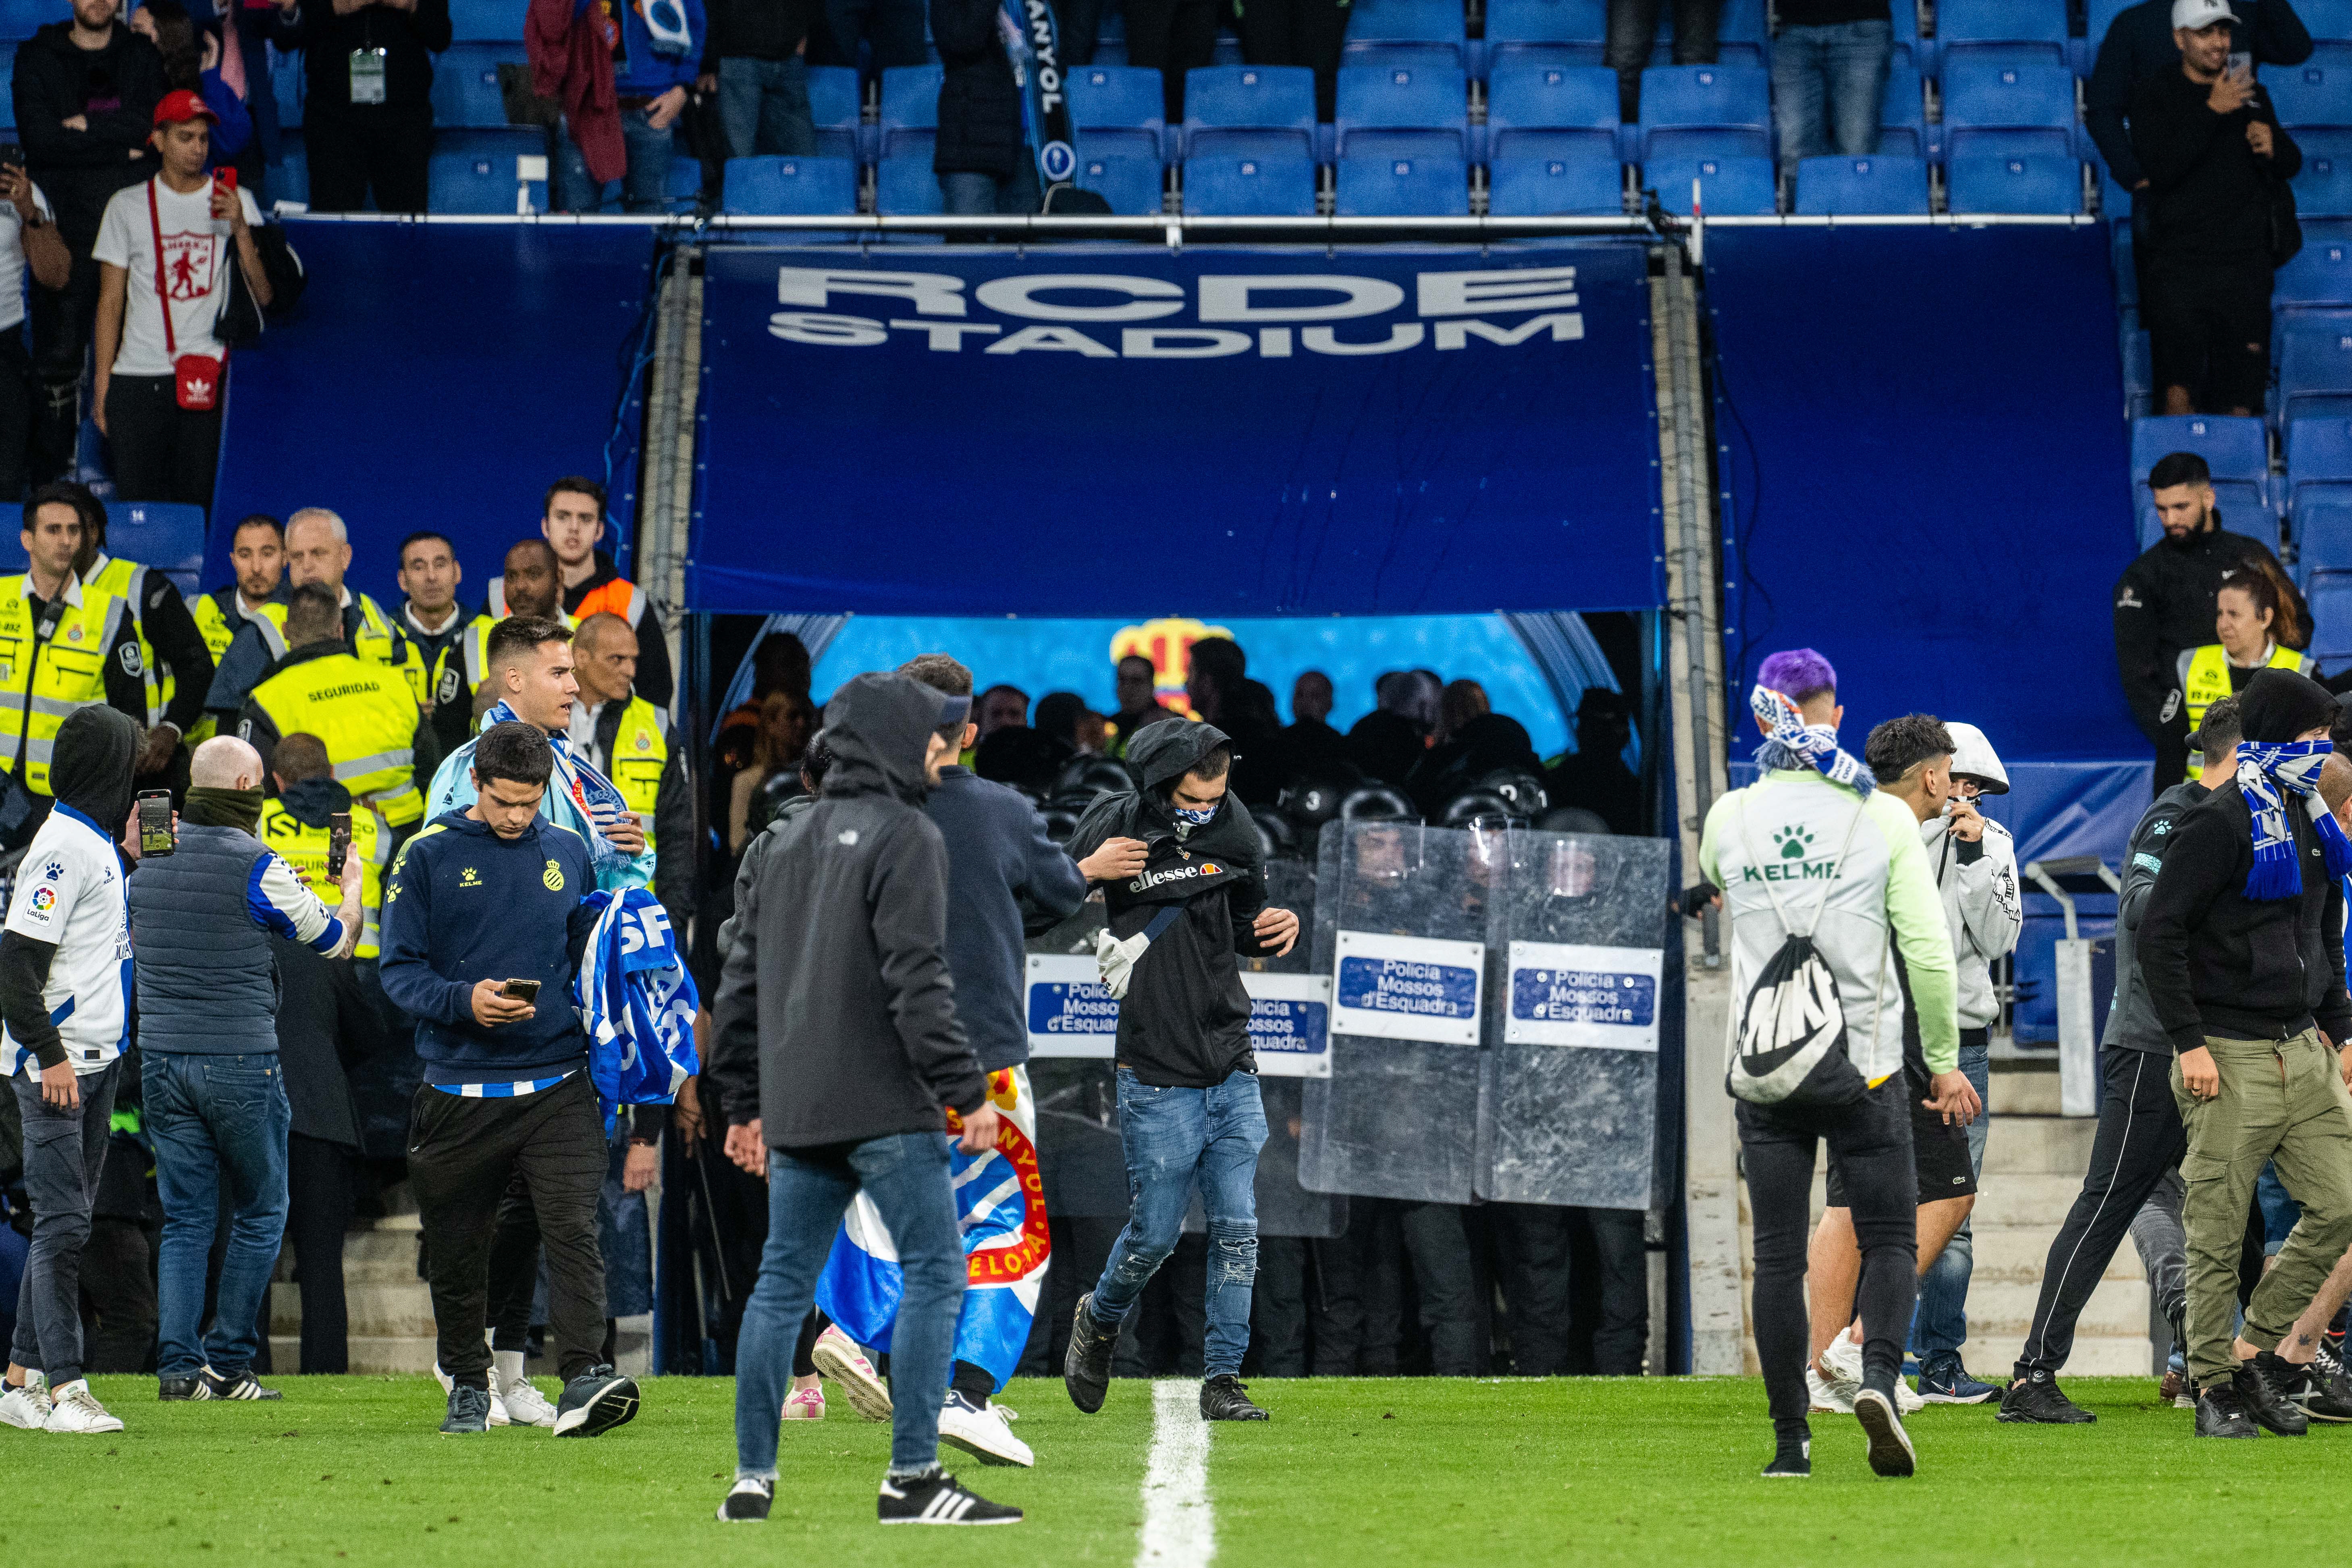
804, 1404
837, 1357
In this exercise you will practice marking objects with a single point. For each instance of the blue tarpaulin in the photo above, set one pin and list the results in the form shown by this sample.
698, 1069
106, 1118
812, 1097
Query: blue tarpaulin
1098, 431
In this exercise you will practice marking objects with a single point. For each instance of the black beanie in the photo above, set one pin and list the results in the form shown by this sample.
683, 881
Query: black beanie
2277, 705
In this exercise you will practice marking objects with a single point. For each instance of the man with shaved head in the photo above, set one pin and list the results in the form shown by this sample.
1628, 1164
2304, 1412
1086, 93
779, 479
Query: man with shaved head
201, 922
318, 550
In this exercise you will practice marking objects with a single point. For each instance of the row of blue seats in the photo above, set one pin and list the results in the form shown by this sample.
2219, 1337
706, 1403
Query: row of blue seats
161, 534
2314, 494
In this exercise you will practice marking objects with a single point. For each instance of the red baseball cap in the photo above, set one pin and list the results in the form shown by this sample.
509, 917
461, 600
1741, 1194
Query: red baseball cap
182, 105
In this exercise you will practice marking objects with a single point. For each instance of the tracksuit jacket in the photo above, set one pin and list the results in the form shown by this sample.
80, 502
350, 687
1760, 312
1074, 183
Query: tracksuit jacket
1978, 882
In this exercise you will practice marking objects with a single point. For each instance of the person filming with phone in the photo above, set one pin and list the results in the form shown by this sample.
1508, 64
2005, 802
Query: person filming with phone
2222, 217
483, 931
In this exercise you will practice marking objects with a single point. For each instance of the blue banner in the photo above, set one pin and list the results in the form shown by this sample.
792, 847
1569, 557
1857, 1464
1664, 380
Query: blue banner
1105, 431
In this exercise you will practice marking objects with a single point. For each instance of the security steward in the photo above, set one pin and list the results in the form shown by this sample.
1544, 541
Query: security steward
436, 623
2254, 621
532, 585
166, 641
318, 550
297, 822
363, 709
256, 553
627, 740
2165, 603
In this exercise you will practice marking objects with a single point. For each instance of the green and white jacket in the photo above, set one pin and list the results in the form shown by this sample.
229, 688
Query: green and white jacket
1795, 836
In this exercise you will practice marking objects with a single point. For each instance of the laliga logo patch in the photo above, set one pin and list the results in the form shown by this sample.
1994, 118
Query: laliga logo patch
1059, 160
44, 900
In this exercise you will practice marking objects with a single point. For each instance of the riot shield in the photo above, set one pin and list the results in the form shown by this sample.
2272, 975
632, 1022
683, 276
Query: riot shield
1071, 1021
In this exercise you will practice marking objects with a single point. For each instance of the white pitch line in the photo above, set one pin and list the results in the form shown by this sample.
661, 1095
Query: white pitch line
1178, 1529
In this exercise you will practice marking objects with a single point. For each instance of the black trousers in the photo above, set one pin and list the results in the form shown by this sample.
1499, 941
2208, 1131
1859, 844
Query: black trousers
463, 1156
15, 411
161, 451
1611, 1273
2209, 325
1871, 1140
1633, 28
1537, 1288
513, 1273
321, 1190
1171, 36
1298, 33
355, 150
62, 321
2139, 1140
118, 1292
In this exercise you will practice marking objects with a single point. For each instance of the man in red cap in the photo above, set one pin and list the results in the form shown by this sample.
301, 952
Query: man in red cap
164, 250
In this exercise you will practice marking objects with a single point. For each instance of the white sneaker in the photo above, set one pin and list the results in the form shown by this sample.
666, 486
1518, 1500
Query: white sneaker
27, 1408
524, 1405
1843, 1358
1832, 1396
837, 1356
979, 1430
499, 1416
76, 1409
1907, 1402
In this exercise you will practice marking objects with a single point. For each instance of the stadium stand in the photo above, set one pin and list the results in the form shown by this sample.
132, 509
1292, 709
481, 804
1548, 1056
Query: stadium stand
1862, 187
1401, 111
835, 110
2003, 32
480, 172
1118, 111
2019, 184
911, 110
1704, 111
783, 186
164, 536
2316, 93
1728, 187
1249, 111
2319, 481
1903, 131
466, 86
2315, 372
1389, 186
2236, 450
1279, 186
2008, 111
1570, 186
1522, 33
1551, 112
1131, 183
1419, 35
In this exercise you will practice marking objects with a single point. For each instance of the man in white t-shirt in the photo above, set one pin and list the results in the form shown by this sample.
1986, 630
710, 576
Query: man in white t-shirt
65, 992
157, 403
28, 240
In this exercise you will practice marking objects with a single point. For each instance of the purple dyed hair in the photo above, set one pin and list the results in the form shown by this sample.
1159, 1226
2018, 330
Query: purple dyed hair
1797, 674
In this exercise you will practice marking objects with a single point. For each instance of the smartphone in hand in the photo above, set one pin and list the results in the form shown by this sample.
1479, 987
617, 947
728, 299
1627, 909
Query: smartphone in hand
155, 834
521, 990
339, 844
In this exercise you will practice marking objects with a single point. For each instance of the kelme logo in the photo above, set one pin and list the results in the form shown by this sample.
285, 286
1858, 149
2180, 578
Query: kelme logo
1794, 841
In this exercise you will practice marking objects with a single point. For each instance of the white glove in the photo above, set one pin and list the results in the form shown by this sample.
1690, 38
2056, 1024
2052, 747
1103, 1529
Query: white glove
1115, 957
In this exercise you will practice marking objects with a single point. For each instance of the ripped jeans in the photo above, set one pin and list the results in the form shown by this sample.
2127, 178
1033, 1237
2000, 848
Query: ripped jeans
1171, 1136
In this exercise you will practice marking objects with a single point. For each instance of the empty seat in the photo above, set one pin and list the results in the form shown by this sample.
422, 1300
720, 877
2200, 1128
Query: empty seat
2098, 15
2316, 92
1742, 34
1281, 187
161, 534
2315, 372
1979, 184
2321, 273
466, 86
1704, 111
1545, 32
1903, 116
788, 187
487, 21
19, 19
2008, 111
910, 109
1129, 182
2329, 21
1426, 34
1257, 112
1551, 112
2330, 596
2319, 473
1401, 111
2007, 32
286, 85
1119, 109
2323, 188
289, 179
905, 187
1853, 187
1728, 187
2322, 542
480, 172
1554, 188
1403, 187
2235, 450
835, 110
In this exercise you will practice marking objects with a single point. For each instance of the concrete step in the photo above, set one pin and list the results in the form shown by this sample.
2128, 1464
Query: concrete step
1990, 1356
2058, 1145
2017, 1254
2118, 1305
377, 1311
368, 1353
2022, 1091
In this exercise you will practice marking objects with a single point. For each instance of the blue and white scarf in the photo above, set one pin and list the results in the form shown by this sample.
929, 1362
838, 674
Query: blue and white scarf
601, 803
2292, 767
1794, 743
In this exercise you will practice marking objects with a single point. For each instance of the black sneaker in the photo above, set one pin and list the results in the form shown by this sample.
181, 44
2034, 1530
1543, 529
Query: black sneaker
1891, 1452
595, 1403
173, 1388
2325, 1393
2264, 1385
748, 1502
2221, 1414
2038, 1399
1226, 1397
469, 1412
241, 1386
1086, 1366
936, 1499
1791, 1463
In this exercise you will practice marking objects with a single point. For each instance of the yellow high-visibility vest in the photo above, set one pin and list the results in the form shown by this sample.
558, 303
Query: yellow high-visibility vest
305, 849
2205, 681
366, 714
44, 678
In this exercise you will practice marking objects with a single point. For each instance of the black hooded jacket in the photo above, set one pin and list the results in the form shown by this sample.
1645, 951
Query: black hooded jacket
979, 108
91, 772
114, 91
836, 1019
1184, 1023
2164, 604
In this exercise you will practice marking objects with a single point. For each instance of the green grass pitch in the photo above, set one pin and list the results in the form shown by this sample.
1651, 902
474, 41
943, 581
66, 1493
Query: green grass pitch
1349, 1473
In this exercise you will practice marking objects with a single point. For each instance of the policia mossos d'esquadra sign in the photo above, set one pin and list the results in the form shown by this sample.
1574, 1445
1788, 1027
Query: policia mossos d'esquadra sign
1072, 1014
1574, 993
1407, 987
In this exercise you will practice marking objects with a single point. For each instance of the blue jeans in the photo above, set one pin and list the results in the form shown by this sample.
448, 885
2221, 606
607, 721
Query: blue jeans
1828, 87
981, 195
1174, 1137
905, 1175
644, 183
1941, 1325
214, 1117
764, 104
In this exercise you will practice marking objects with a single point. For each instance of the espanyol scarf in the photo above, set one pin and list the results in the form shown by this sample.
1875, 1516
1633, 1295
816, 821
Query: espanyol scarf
591, 791
1794, 743
1033, 46
2292, 767
637, 1003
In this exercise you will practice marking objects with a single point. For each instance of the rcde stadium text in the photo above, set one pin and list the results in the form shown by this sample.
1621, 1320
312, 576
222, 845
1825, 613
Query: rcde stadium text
1267, 314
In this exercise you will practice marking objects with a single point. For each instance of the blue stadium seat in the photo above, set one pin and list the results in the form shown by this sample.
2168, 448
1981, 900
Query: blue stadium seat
2319, 471
2330, 596
2314, 370
2320, 275
2099, 16
1220, 186
1131, 181
2119, 262
7, 100
910, 109
1264, 113
487, 21
1981, 185
286, 85
2316, 92
466, 86
1742, 34
2322, 543
1403, 187
1417, 33
1704, 111
2005, 32
684, 184
475, 172
2236, 450
20, 19
1399, 111
789, 187
835, 110
161, 534
1728, 187
2329, 21
905, 187
1119, 111
2008, 111
1551, 112
2324, 186
1554, 188
1903, 117
1851, 187
1545, 32
2139, 369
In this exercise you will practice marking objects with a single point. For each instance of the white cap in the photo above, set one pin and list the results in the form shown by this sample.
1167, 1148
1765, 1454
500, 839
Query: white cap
1972, 754
2196, 16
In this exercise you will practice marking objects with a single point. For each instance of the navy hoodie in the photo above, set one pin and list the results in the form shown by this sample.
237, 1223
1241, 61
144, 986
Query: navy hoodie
464, 905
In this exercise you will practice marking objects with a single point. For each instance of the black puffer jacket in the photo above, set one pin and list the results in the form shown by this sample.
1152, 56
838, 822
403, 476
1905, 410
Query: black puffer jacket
1184, 1023
979, 108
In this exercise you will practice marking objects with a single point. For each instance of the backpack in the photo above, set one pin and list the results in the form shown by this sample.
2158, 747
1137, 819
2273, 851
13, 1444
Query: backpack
1789, 1048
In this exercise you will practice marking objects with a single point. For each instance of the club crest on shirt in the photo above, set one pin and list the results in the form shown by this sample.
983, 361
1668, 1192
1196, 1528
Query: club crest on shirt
552, 876
188, 266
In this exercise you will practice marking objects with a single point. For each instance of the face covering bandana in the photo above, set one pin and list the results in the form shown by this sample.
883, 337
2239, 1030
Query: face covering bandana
1794, 743
2294, 768
1192, 815
211, 807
